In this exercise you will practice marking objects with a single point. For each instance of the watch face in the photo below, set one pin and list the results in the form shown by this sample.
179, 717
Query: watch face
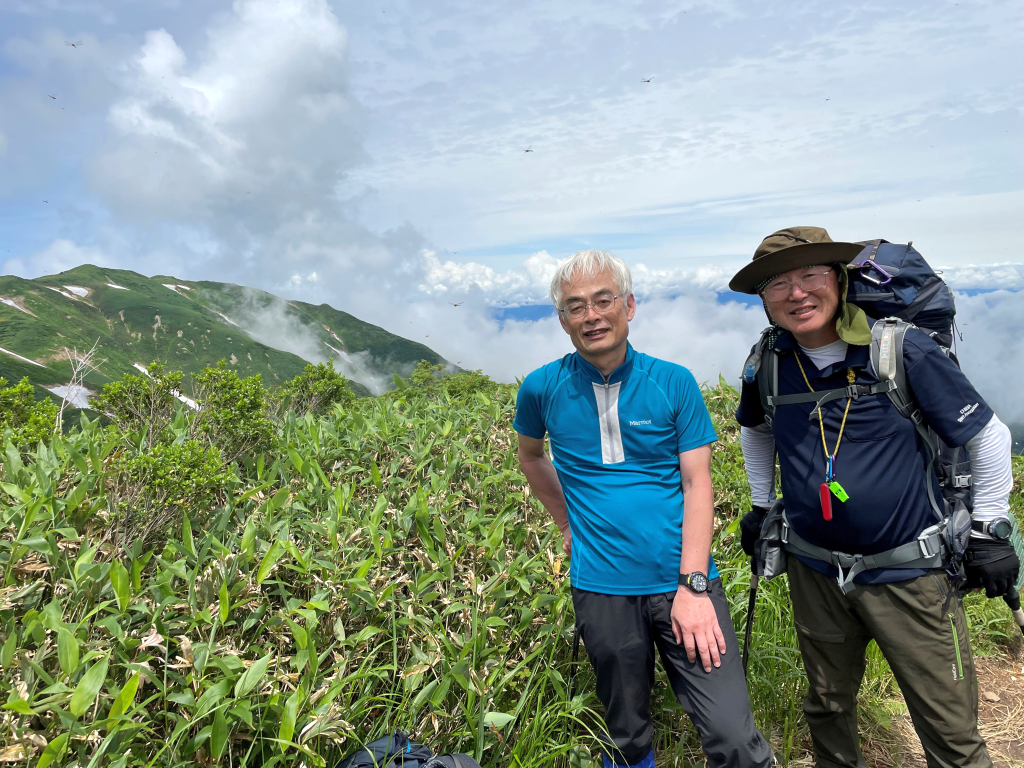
1000, 529
698, 582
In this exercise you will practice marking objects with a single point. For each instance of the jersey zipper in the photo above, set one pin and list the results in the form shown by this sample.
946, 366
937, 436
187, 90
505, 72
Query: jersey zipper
607, 405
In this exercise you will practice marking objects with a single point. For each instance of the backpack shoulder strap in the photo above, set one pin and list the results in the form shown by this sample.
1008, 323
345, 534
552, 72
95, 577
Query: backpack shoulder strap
762, 366
888, 364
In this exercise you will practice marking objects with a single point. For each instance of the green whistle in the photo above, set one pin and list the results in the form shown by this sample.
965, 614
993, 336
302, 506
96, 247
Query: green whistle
838, 490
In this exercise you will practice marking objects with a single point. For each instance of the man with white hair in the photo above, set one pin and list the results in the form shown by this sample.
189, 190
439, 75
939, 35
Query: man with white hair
630, 440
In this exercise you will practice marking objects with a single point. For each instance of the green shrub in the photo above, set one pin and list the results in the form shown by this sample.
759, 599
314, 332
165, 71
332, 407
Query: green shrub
153, 489
142, 404
427, 379
188, 474
29, 421
233, 412
316, 389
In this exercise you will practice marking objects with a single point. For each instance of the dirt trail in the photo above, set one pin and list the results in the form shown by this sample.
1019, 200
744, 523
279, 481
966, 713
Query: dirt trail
1001, 720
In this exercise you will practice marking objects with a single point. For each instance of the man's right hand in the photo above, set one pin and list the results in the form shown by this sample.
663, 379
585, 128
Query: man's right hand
567, 541
750, 529
991, 565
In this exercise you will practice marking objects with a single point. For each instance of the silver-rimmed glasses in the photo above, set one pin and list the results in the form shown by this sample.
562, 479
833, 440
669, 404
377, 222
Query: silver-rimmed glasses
578, 309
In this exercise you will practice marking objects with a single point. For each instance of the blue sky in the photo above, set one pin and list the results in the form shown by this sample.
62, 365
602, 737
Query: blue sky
371, 155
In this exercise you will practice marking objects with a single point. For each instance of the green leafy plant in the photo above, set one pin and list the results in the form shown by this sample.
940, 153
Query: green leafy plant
386, 567
29, 420
143, 404
316, 390
232, 412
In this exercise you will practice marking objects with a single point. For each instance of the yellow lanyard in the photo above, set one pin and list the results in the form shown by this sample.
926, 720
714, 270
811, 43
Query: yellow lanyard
852, 379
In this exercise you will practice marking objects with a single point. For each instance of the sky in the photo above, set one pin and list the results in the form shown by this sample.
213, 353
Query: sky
373, 156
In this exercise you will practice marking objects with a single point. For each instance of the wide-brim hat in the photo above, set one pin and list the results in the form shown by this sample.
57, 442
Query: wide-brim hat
788, 249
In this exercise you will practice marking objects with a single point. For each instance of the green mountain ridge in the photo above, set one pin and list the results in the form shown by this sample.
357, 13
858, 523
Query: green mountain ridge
185, 325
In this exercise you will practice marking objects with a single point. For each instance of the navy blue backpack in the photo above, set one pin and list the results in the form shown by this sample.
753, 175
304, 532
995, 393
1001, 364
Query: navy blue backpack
397, 751
891, 280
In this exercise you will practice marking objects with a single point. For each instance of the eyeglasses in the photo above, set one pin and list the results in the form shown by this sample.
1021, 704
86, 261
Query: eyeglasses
809, 281
578, 309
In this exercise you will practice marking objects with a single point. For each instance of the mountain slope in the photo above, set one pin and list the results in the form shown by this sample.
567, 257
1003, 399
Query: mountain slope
186, 326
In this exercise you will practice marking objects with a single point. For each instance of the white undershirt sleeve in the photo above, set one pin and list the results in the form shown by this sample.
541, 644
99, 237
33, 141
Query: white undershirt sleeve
758, 444
991, 471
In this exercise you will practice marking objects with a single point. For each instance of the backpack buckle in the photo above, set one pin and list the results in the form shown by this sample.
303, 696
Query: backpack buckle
962, 481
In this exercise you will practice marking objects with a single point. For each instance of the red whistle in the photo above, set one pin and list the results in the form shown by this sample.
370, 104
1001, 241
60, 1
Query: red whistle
826, 501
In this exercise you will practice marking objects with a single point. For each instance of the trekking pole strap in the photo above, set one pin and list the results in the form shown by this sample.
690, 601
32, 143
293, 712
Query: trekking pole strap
927, 551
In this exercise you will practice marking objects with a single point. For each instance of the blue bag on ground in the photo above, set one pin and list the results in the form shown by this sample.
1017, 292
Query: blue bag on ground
891, 280
393, 751
454, 760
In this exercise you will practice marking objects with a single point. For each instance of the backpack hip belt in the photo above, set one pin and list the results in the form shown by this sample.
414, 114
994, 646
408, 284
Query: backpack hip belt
929, 550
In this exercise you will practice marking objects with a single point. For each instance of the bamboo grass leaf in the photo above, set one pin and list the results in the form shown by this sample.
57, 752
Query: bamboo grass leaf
269, 561
287, 729
67, 651
120, 580
88, 687
125, 698
252, 676
7, 652
53, 751
224, 600
186, 536
219, 735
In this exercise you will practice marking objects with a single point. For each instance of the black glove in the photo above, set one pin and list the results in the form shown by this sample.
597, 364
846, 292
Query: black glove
991, 564
750, 529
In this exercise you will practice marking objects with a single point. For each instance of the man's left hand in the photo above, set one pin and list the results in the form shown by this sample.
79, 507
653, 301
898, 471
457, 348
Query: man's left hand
695, 625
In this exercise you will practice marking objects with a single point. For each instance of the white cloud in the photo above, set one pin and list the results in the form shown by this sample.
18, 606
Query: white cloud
985, 276
991, 351
58, 256
248, 137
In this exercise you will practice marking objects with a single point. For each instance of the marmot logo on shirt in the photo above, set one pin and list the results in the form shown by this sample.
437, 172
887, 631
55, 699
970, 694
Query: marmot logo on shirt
639, 423
966, 411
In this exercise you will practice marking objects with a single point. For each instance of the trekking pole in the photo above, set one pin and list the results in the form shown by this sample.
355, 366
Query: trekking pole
1013, 601
751, 605
575, 657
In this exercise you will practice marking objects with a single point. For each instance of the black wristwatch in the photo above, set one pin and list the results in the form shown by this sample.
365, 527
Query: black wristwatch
999, 529
695, 582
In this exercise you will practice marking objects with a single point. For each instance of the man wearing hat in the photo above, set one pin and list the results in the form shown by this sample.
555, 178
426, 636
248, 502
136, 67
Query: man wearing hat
880, 469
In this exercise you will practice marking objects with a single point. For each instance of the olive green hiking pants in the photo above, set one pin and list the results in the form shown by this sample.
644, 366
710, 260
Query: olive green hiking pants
920, 627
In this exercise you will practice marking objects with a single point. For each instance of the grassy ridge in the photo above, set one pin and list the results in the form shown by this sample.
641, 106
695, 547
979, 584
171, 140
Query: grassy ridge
386, 569
186, 328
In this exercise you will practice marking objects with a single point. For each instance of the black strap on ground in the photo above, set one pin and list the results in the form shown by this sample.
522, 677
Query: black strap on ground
751, 605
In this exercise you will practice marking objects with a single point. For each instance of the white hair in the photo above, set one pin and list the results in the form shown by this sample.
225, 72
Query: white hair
588, 264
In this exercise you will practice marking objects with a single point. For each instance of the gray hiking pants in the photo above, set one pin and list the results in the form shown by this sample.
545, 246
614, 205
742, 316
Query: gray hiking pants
620, 633
920, 627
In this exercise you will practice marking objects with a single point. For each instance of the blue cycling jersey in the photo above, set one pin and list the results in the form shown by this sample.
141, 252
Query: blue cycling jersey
615, 444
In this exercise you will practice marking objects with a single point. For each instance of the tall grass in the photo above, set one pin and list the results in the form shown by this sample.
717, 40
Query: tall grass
387, 570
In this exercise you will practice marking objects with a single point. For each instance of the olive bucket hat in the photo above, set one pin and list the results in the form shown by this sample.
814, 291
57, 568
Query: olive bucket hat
788, 249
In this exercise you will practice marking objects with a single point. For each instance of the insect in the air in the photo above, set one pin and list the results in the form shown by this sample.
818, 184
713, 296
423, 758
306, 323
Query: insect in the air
646, 80
74, 44
528, 149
